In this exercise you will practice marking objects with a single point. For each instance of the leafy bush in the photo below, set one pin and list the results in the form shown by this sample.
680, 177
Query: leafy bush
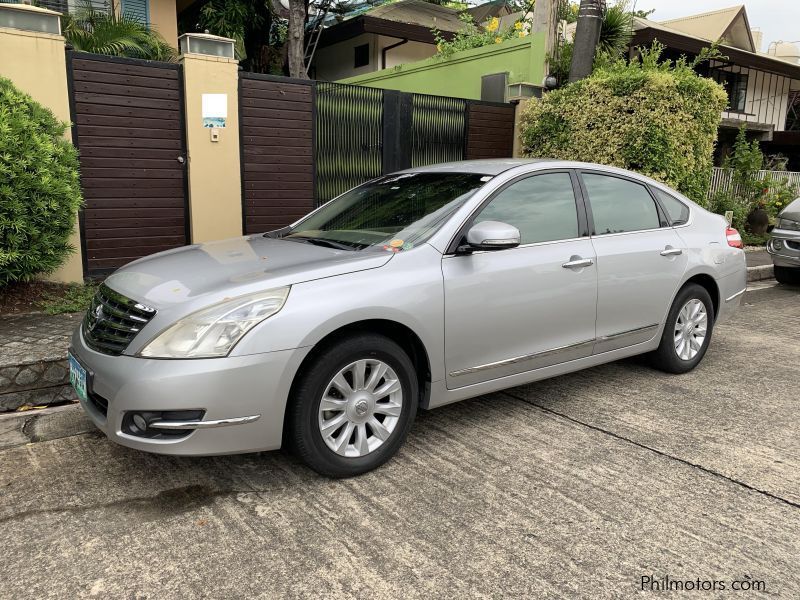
472, 35
105, 32
39, 187
748, 188
648, 116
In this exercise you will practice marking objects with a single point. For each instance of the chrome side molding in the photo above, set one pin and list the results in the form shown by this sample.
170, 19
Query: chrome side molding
519, 359
554, 351
736, 295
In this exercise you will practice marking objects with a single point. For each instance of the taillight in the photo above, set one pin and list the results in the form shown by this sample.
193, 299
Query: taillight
734, 239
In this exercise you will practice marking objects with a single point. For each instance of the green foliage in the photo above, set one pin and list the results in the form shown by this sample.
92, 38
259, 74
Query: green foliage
472, 35
647, 116
748, 188
616, 33
39, 188
75, 297
105, 32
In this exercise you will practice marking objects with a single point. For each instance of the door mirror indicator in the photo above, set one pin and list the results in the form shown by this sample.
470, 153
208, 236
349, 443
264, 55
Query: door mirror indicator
491, 235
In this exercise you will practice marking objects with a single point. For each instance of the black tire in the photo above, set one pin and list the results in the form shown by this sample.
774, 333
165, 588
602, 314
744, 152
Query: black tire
666, 358
303, 432
787, 275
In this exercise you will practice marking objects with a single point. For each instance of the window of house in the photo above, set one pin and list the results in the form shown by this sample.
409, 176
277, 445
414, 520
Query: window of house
678, 212
735, 85
361, 54
542, 207
619, 205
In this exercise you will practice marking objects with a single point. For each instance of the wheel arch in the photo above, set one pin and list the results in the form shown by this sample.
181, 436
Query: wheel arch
707, 282
398, 332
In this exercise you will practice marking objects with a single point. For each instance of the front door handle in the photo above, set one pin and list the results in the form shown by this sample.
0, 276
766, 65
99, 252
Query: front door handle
670, 251
576, 262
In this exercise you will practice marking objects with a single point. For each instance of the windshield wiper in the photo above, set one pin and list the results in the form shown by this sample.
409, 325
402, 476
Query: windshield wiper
321, 242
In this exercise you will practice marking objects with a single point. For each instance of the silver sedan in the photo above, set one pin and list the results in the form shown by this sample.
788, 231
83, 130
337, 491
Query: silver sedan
409, 292
784, 244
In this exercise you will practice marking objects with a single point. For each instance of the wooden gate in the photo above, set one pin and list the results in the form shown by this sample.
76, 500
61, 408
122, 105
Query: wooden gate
277, 158
128, 124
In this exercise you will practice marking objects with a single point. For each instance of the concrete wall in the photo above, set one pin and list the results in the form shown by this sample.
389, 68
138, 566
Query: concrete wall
460, 74
164, 19
36, 63
215, 192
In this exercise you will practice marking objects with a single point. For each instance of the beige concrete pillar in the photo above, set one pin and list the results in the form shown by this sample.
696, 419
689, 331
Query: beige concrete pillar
164, 19
518, 110
215, 191
36, 63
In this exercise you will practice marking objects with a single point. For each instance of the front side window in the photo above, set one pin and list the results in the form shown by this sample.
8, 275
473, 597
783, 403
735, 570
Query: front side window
542, 207
619, 205
394, 212
678, 212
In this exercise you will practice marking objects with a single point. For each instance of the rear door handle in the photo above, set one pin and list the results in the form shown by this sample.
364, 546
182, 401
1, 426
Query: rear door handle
670, 251
578, 263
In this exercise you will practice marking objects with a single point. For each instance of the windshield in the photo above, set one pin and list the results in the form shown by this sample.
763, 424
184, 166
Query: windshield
392, 213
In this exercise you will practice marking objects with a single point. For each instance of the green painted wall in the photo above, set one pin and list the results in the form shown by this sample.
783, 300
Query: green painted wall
460, 74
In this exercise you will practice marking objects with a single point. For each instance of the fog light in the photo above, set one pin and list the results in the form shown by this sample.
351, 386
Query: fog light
140, 422
777, 245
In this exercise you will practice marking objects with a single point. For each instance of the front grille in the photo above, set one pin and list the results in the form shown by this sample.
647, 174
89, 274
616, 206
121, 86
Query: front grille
113, 320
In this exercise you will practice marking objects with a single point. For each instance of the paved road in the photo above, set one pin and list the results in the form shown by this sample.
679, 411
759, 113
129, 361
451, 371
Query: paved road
574, 487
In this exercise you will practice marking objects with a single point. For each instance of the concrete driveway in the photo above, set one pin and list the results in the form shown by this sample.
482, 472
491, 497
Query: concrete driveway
574, 487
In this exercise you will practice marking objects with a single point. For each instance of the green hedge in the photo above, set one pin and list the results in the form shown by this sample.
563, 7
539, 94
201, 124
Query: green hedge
39, 187
655, 118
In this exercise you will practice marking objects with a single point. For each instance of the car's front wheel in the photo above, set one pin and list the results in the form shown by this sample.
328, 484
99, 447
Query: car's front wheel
687, 332
352, 405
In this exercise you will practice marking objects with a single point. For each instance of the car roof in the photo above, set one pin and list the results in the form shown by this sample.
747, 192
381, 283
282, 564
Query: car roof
490, 166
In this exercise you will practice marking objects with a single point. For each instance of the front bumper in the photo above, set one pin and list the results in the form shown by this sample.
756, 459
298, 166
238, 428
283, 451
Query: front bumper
784, 248
243, 398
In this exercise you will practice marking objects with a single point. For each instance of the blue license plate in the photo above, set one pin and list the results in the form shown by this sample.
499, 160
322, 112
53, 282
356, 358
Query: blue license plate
77, 377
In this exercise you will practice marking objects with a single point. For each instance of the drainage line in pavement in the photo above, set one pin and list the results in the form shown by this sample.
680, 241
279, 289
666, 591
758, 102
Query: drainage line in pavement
659, 452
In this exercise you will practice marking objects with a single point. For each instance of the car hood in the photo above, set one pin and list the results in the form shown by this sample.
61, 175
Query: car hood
234, 267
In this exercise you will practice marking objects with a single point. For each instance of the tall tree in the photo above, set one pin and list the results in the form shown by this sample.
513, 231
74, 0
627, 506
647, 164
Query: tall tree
298, 9
587, 34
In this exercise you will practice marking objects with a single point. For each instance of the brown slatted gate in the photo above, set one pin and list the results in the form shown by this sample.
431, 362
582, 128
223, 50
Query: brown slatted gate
128, 126
277, 131
490, 130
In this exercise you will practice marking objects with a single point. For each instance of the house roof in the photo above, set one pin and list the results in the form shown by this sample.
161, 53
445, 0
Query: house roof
730, 24
418, 12
666, 32
484, 12
404, 20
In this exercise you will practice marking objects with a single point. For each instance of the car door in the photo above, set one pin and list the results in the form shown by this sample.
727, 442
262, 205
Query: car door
514, 310
640, 259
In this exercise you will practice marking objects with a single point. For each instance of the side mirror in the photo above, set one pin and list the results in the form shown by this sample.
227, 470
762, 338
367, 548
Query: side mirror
492, 235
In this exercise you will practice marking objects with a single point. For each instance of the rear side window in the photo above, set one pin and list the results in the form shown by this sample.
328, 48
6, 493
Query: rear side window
619, 205
678, 212
542, 207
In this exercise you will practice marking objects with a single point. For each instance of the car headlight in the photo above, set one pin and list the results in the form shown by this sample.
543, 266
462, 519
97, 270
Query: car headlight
788, 224
213, 331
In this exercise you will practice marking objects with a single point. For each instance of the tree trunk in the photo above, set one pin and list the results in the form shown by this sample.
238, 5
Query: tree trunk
296, 39
587, 34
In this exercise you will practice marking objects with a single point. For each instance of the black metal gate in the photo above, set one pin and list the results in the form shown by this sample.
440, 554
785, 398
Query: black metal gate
437, 129
349, 137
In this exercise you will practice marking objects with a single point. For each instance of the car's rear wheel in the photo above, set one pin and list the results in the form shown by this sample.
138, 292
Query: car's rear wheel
787, 275
353, 405
687, 332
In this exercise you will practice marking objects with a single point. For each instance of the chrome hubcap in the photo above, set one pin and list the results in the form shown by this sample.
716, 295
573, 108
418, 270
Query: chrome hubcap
360, 408
690, 329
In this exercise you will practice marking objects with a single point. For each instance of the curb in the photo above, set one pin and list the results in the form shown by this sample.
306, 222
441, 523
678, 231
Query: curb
760, 273
20, 428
